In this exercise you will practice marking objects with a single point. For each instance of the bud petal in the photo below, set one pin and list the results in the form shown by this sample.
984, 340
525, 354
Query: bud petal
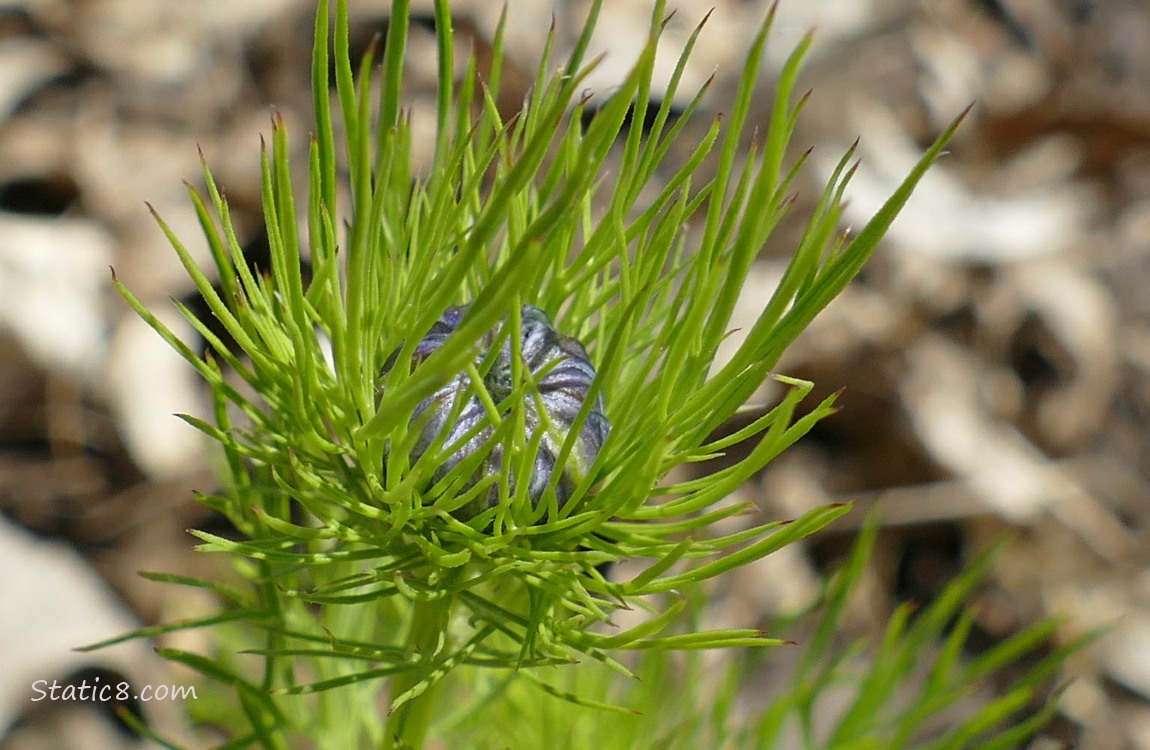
563, 374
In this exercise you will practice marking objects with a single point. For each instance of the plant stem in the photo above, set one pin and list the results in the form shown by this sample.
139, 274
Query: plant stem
408, 724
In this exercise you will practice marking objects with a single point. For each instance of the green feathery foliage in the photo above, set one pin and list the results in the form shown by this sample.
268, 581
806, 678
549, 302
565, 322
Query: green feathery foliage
910, 691
366, 577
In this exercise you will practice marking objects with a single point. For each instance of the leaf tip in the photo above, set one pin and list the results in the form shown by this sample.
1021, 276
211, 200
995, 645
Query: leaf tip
373, 45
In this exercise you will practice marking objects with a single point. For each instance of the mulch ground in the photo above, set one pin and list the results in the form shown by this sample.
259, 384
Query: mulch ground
995, 355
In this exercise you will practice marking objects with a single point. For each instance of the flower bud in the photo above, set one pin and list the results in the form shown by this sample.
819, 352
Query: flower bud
563, 374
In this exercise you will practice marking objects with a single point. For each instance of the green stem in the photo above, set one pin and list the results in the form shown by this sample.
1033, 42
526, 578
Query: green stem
408, 724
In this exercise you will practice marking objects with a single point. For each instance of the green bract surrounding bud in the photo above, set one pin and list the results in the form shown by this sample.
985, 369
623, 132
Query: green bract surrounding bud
458, 421
440, 491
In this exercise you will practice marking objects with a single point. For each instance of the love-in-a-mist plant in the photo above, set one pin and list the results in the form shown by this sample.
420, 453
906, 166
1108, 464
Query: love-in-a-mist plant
438, 441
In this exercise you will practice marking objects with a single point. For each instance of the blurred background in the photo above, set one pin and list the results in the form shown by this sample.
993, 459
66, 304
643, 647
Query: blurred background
995, 355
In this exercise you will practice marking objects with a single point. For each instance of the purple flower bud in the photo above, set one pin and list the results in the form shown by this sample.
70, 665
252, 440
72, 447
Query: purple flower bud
563, 374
